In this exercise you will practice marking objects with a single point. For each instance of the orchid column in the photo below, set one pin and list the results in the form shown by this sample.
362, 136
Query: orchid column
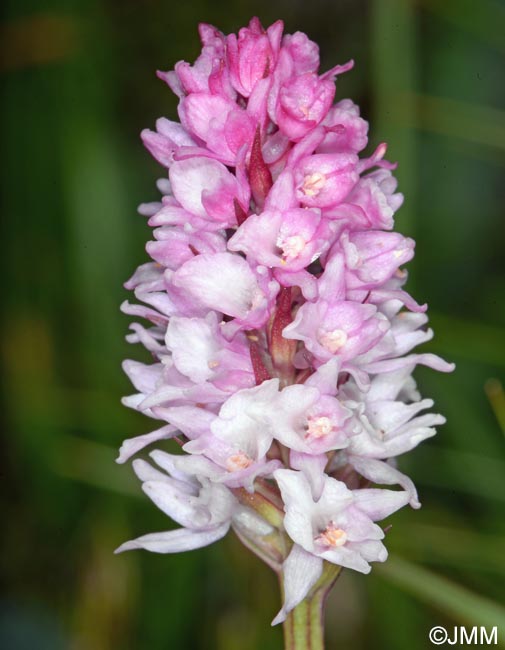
280, 333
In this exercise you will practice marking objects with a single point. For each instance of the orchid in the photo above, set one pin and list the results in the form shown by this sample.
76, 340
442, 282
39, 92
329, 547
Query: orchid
282, 338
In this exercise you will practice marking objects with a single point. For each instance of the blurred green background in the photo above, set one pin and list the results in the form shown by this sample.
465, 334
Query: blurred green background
78, 86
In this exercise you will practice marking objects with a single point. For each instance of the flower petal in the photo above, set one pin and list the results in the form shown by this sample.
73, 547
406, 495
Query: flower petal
132, 445
176, 541
223, 282
301, 571
380, 472
378, 504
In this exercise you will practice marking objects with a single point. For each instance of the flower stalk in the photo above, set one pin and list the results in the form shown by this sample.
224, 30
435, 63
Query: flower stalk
304, 625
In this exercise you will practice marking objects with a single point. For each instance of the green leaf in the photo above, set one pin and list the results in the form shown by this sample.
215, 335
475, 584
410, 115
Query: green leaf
465, 471
92, 463
450, 598
468, 339
453, 546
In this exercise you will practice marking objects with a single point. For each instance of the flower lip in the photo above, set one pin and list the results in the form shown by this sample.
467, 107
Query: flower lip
238, 461
332, 536
291, 246
318, 427
334, 340
313, 184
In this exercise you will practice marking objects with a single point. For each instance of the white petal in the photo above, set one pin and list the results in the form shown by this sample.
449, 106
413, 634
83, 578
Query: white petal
389, 415
245, 419
313, 468
428, 359
131, 446
408, 439
378, 504
191, 177
372, 550
143, 376
193, 344
347, 557
176, 541
177, 504
326, 376
380, 472
388, 385
299, 506
335, 497
193, 463
301, 571
190, 420
222, 281
253, 400
146, 472
172, 464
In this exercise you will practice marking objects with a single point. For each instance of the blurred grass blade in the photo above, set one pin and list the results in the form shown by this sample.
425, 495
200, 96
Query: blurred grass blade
462, 548
95, 209
485, 19
464, 471
481, 125
470, 340
496, 396
392, 32
450, 598
93, 464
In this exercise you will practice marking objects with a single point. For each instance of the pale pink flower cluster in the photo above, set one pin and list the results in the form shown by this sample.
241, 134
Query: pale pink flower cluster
281, 335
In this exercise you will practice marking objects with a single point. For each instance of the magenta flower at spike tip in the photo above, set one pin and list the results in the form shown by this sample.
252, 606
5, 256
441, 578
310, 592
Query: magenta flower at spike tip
282, 337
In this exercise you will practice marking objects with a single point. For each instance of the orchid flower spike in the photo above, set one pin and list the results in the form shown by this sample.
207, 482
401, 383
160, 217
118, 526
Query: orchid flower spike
274, 309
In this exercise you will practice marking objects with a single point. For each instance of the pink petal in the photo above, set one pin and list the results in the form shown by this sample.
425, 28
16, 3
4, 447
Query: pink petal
223, 282
196, 179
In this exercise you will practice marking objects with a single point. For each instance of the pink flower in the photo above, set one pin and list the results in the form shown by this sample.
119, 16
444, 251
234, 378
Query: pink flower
288, 240
374, 196
167, 138
339, 328
304, 53
373, 257
324, 180
346, 131
186, 79
303, 103
253, 55
173, 246
205, 188
201, 352
281, 336
218, 122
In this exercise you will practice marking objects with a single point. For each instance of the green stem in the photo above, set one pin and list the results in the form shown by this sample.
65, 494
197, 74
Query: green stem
304, 625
